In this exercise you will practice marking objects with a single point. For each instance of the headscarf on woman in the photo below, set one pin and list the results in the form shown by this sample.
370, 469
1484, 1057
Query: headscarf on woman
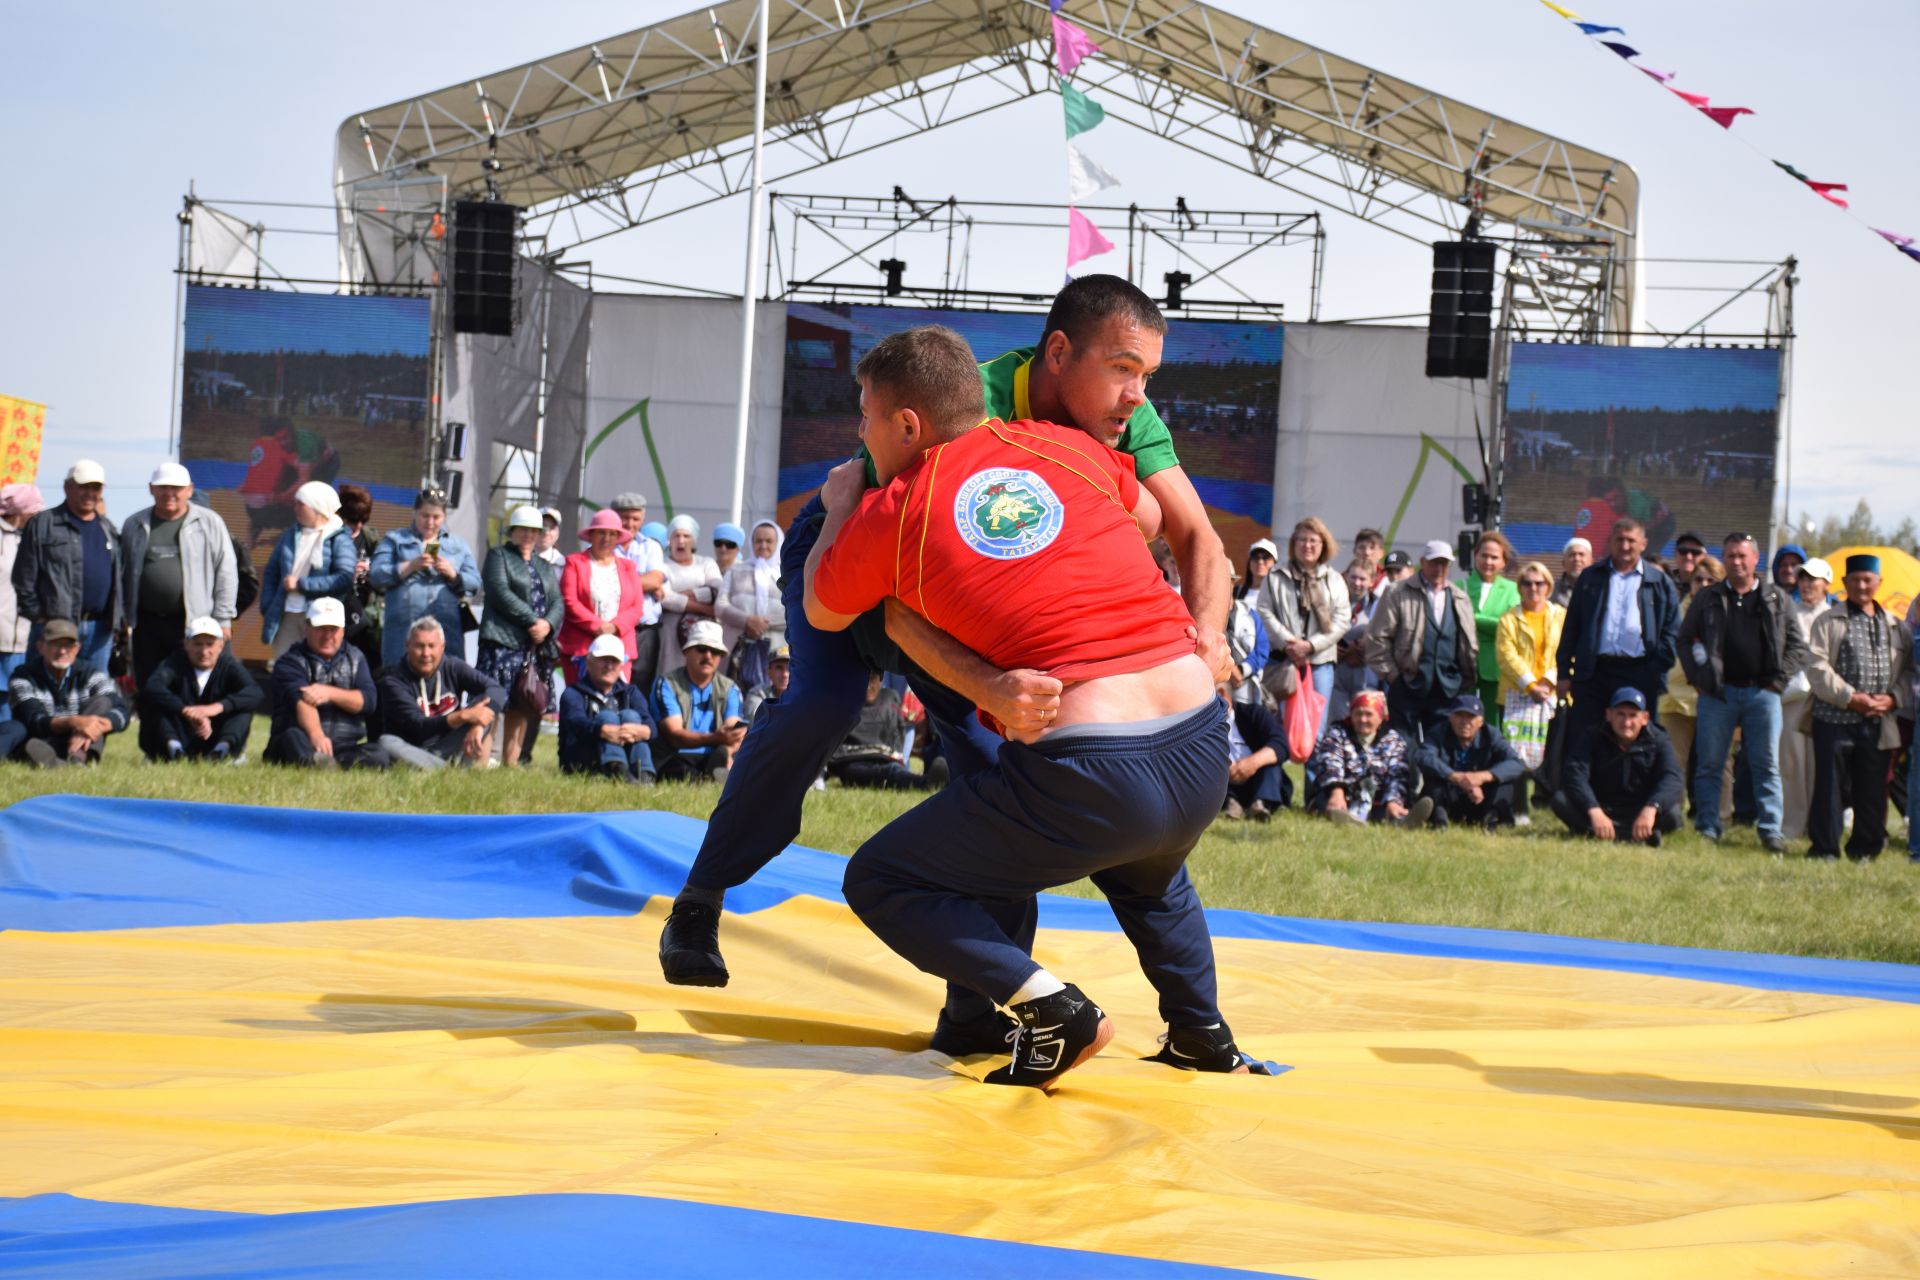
20, 500
766, 569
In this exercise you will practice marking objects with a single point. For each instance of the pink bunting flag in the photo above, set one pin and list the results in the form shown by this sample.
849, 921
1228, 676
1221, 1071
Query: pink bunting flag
1083, 238
1825, 191
1699, 100
1724, 116
1071, 45
1893, 237
1661, 76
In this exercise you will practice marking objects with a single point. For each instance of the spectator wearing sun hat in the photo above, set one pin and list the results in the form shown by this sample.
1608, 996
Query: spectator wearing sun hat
606, 725
324, 697
68, 565
1424, 644
602, 594
18, 503
698, 710
314, 560
178, 563
199, 702
521, 624
1796, 708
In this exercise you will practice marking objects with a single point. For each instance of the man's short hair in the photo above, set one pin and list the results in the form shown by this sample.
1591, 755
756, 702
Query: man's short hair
1366, 534
1629, 523
1080, 309
931, 370
1736, 537
427, 622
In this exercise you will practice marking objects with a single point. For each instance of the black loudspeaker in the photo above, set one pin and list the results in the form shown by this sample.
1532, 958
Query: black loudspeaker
1460, 321
483, 232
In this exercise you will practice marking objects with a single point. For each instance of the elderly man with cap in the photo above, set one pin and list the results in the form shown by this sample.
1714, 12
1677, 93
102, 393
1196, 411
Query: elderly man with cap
68, 565
779, 675
1424, 644
1575, 558
1621, 780
1470, 768
1862, 676
198, 704
1622, 628
1796, 708
18, 502
314, 559
648, 556
606, 725
323, 698
63, 706
178, 563
698, 710
438, 709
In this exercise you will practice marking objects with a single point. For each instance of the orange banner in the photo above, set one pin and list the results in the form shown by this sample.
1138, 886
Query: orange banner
21, 422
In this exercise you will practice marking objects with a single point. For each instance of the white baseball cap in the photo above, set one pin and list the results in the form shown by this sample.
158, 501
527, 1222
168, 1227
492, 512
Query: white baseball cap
172, 475
608, 647
525, 518
326, 612
1817, 568
204, 627
1266, 545
705, 634
87, 471
1436, 549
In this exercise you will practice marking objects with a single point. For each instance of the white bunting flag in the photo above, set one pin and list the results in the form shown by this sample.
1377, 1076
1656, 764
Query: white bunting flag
1085, 177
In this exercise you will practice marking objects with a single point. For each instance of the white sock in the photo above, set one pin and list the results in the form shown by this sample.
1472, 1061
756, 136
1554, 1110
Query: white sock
1040, 984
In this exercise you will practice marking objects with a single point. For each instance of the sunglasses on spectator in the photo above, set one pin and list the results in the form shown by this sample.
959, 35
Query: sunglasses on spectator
721, 543
1533, 582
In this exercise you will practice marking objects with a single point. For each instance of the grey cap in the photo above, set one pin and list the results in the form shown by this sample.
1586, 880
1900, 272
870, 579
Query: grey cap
629, 501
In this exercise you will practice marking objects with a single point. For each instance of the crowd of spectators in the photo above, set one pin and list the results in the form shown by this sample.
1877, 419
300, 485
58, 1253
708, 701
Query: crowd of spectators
1623, 694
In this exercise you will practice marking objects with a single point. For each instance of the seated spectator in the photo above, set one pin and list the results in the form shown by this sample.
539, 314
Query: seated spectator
1257, 781
606, 725
1359, 771
323, 697
779, 675
1621, 781
63, 707
698, 710
437, 709
199, 702
1469, 767
874, 753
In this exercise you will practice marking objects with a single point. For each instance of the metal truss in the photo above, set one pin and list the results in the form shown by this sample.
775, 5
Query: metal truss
612, 136
1217, 250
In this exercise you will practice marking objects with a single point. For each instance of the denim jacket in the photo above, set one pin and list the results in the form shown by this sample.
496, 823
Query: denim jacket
422, 593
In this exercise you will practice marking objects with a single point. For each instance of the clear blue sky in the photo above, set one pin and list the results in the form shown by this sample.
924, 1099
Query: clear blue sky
123, 104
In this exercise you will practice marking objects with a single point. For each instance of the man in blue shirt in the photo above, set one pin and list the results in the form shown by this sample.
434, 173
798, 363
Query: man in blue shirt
698, 711
1622, 629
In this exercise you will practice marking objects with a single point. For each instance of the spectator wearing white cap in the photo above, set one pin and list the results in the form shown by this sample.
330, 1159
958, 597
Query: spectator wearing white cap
198, 704
691, 591
63, 706
426, 570
698, 710
751, 607
548, 548
177, 563
68, 566
436, 709
324, 698
1796, 709
520, 626
606, 725
18, 503
1575, 559
648, 556
1261, 557
1424, 644
313, 560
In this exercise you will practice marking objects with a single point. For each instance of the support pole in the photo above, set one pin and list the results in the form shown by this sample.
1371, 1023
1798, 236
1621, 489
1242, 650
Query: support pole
753, 265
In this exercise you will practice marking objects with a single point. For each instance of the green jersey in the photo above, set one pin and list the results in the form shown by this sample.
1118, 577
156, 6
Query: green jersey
1004, 382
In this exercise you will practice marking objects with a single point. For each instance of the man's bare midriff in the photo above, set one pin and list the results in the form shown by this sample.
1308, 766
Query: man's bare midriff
1165, 690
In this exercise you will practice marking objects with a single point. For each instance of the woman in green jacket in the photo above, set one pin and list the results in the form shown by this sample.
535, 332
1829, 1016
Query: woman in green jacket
523, 611
1492, 594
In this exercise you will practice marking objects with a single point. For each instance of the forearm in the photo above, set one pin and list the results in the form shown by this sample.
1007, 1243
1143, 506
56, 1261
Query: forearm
819, 615
1204, 584
939, 654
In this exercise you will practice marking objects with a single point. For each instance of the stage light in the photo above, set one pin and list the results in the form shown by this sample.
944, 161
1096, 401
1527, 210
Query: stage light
453, 445
894, 269
1177, 281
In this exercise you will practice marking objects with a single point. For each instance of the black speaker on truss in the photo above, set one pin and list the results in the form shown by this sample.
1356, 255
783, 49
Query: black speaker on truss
483, 234
1460, 319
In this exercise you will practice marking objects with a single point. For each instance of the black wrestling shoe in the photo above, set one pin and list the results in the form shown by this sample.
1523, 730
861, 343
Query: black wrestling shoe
1205, 1049
987, 1033
690, 947
1055, 1034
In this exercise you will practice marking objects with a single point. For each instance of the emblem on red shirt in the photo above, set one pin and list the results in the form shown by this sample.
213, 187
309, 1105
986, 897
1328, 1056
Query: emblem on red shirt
1004, 514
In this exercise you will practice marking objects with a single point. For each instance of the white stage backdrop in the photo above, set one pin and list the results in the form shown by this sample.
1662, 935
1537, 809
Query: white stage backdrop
1354, 408
680, 359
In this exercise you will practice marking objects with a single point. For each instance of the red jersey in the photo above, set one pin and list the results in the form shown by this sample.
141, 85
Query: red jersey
1019, 541
267, 466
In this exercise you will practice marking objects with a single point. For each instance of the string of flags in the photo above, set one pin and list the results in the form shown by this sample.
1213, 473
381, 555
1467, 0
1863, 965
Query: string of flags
1086, 176
1722, 116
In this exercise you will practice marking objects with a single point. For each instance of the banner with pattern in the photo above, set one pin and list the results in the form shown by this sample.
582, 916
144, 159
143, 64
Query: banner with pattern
21, 425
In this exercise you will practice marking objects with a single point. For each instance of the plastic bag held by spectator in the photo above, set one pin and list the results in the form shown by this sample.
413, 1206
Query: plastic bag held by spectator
1302, 713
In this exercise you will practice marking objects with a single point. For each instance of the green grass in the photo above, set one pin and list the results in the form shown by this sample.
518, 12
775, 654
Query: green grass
1688, 893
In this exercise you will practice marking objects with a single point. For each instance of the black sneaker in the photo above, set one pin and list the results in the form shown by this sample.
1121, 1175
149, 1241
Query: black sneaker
987, 1033
690, 947
1205, 1049
1775, 845
1055, 1034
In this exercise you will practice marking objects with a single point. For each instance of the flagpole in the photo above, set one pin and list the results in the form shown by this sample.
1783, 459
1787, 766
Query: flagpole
754, 228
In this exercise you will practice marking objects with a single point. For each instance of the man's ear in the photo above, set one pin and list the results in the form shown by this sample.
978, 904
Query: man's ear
1057, 350
912, 428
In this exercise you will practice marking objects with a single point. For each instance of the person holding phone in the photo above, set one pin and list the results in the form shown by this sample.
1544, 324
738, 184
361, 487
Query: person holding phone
425, 570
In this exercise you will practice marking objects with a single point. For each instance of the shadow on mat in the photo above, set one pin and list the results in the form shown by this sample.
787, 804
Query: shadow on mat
1663, 1091
538, 1024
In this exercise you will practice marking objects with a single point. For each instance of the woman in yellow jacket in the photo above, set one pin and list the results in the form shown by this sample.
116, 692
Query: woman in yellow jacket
1525, 644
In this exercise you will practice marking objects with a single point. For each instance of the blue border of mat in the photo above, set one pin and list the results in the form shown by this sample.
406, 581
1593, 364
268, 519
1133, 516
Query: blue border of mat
77, 863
